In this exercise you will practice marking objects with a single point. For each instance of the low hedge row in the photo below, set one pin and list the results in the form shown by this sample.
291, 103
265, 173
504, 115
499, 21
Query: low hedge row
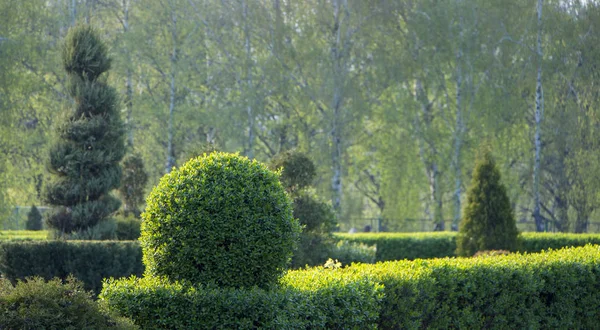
88, 261
399, 246
550, 290
325, 302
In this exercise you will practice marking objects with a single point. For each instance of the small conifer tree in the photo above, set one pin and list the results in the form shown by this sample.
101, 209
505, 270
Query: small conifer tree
34, 219
85, 159
488, 221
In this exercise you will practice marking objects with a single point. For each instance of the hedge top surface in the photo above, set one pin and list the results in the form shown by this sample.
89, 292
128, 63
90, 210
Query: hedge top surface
219, 219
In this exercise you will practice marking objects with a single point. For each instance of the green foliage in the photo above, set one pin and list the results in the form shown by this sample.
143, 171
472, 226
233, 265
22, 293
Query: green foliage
556, 289
85, 159
128, 228
399, 246
323, 302
349, 252
88, 261
36, 304
220, 219
297, 170
314, 214
488, 221
34, 219
133, 183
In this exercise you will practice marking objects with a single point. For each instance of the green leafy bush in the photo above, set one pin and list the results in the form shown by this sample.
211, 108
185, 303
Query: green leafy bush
349, 252
34, 219
133, 183
399, 246
552, 290
297, 170
88, 261
37, 304
221, 219
128, 228
322, 302
488, 222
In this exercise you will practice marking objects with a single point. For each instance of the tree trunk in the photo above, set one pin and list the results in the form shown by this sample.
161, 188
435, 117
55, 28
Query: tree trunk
539, 110
458, 136
170, 152
429, 158
249, 94
336, 134
128, 80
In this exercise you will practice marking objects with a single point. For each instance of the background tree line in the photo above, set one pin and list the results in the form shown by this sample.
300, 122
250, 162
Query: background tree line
390, 99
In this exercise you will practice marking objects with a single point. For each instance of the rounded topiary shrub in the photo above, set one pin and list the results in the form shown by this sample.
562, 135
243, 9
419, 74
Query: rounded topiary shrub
219, 219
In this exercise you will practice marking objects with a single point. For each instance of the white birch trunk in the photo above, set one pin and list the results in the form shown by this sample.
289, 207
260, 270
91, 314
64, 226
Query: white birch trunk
170, 152
539, 110
336, 134
458, 136
249, 95
128, 80
428, 160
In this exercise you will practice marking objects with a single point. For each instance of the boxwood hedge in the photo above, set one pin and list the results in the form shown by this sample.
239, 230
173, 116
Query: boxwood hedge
555, 289
399, 246
88, 261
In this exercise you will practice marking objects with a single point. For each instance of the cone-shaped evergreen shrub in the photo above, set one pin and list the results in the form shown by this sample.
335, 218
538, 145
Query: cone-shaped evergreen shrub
133, 183
34, 219
85, 159
488, 221
220, 219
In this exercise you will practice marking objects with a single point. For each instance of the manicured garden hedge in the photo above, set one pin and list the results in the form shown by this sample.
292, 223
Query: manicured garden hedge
88, 261
321, 302
551, 290
399, 246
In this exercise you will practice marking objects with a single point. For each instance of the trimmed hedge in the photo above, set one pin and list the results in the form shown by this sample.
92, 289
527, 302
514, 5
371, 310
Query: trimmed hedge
549, 290
399, 246
319, 302
88, 261
556, 289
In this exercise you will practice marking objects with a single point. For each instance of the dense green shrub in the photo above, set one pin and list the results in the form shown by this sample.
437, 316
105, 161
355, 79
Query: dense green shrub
37, 304
88, 261
399, 246
84, 161
221, 219
321, 302
297, 170
128, 228
133, 183
314, 214
552, 290
34, 219
349, 252
536, 242
488, 222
